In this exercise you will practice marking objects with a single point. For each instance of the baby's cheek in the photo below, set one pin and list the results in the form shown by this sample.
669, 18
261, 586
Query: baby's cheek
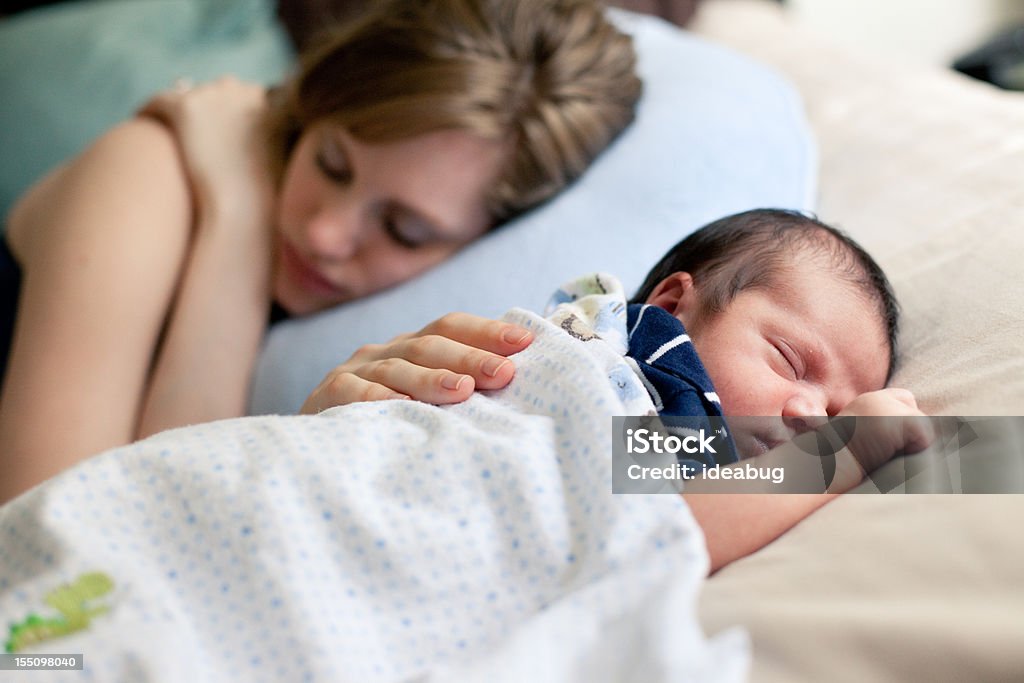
740, 396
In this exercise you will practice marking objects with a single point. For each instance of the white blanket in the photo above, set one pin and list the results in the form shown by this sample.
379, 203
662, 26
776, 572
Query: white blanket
377, 542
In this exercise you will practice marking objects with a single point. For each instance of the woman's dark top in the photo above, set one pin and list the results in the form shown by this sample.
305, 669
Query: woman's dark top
10, 286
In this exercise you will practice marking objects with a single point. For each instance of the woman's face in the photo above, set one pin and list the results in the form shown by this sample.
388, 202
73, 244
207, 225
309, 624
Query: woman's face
355, 218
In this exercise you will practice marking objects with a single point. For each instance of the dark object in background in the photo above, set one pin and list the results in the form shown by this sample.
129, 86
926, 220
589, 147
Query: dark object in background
1000, 61
678, 12
303, 19
13, 6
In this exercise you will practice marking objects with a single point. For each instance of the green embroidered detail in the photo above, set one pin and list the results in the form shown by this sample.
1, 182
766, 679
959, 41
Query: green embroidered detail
71, 600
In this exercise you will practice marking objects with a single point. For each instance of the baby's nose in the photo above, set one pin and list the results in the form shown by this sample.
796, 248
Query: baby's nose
804, 423
805, 411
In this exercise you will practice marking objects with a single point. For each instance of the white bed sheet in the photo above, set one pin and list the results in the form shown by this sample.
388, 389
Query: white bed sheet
378, 542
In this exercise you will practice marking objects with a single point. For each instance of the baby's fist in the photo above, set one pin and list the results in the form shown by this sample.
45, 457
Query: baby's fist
890, 423
883, 402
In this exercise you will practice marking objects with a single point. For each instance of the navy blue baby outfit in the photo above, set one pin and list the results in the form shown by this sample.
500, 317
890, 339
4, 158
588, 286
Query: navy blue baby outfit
675, 377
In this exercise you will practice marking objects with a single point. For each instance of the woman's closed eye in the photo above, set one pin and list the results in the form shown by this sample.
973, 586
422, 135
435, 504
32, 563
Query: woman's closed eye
332, 162
407, 231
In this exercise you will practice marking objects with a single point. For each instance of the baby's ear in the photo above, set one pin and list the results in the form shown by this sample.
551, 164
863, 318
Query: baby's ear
676, 294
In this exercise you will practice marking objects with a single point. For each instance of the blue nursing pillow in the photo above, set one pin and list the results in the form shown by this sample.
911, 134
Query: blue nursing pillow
715, 133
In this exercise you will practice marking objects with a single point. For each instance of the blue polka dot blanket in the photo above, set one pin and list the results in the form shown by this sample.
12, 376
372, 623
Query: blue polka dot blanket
388, 541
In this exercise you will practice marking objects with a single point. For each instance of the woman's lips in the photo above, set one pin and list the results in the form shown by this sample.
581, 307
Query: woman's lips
304, 274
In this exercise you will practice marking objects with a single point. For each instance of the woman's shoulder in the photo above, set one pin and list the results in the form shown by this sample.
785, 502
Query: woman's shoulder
135, 162
139, 134
141, 143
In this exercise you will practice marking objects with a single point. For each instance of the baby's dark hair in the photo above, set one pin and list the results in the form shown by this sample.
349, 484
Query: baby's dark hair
748, 250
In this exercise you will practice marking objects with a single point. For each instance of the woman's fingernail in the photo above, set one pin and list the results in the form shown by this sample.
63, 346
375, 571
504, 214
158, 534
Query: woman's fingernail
514, 335
492, 366
452, 382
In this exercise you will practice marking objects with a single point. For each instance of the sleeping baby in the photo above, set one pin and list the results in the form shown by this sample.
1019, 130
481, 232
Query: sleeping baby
778, 318
769, 317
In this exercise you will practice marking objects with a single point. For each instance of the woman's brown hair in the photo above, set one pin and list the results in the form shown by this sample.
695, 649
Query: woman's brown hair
553, 79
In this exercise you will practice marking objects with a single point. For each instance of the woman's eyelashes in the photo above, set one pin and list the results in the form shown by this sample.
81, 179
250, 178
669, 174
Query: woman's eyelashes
406, 231
333, 163
403, 228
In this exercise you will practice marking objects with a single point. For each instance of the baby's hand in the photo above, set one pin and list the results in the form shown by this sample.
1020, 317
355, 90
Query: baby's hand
893, 425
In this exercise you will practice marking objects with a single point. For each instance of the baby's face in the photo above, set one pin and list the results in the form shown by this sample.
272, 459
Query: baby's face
800, 350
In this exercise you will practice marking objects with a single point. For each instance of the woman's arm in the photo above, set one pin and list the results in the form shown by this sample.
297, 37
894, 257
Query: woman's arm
102, 242
208, 352
205, 361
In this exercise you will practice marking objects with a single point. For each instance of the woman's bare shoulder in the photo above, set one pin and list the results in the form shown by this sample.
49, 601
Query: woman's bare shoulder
134, 164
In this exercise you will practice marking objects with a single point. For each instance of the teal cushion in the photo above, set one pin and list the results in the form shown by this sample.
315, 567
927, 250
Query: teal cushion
72, 70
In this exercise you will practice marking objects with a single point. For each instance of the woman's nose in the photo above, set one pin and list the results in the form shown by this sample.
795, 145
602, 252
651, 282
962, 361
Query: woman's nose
334, 231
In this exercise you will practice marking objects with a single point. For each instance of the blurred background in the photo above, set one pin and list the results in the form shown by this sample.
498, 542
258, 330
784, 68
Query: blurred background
982, 38
924, 31
69, 69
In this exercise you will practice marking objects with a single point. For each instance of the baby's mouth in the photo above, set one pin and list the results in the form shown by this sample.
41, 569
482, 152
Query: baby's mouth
763, 443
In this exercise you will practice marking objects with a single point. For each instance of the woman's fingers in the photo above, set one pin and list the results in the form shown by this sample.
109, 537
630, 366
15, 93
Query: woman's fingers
445, 362
390, 378
468, 344
459, 342
341, 388
430, 385
434, 352
430, 368
495, 336
163, 107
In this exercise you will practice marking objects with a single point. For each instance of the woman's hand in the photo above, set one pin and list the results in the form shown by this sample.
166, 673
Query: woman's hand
219, 129
445, 362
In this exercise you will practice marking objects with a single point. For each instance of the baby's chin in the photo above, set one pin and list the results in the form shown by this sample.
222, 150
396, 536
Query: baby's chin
752, 446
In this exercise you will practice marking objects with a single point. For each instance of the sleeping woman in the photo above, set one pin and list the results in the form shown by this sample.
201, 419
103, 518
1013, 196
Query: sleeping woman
141, 274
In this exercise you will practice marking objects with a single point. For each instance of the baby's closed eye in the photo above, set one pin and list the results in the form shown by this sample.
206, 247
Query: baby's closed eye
786, 360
